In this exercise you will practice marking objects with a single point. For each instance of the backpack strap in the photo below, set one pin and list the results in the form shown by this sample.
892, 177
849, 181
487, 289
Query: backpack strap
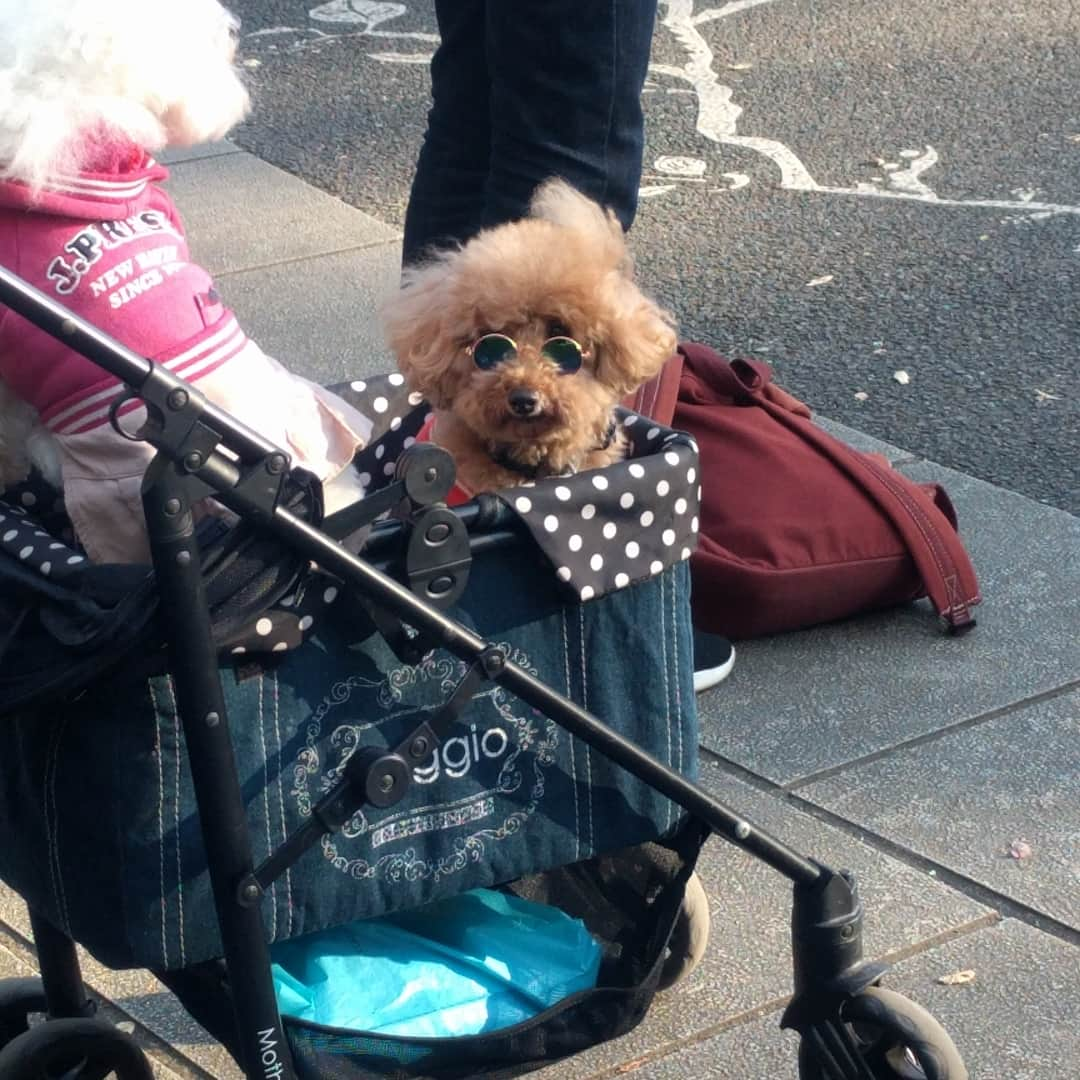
927, 532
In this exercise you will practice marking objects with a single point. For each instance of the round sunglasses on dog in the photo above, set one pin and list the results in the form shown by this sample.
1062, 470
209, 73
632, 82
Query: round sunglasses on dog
491, 350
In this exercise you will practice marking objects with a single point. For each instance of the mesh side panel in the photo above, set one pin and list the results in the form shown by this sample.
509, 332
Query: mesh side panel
628, 900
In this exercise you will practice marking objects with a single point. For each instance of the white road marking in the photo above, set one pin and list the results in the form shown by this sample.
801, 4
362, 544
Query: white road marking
718, 115
365, 15
401, 58
732, 8
680, 166
368, 13
717, 112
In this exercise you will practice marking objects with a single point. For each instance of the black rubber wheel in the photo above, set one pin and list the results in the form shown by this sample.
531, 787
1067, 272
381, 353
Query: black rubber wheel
19, 999
78, 1049
896, 1039
689, 937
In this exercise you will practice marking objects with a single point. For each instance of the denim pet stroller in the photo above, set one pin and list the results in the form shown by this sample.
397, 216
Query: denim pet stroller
266, 736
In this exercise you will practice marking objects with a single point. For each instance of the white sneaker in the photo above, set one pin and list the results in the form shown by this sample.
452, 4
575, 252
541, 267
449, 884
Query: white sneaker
714, 657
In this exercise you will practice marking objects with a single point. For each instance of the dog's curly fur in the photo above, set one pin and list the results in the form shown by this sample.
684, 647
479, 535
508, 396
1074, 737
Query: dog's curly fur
155, 73
564, 269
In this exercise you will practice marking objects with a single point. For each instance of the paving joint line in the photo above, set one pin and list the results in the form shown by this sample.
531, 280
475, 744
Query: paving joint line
647, 1057
942, 937
194, 159
774, 1005
1004, 905
929, 736
221, 275
740, 772
975, 890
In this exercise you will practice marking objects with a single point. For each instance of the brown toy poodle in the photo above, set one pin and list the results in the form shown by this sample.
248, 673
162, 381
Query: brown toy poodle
524, 340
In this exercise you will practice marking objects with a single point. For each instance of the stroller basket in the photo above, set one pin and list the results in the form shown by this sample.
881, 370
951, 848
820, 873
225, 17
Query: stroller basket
629, 900
280, 764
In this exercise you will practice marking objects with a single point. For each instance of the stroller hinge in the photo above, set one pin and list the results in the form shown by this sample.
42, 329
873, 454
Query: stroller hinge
422, 476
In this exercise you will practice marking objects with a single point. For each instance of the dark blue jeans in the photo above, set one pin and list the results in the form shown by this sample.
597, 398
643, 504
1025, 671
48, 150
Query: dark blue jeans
523, 90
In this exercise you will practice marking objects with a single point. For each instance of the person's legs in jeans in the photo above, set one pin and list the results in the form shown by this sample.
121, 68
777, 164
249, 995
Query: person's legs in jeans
566, 78
522, 91
447, 198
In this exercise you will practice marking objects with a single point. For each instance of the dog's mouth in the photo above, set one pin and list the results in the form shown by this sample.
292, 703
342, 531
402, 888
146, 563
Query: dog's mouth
531, 420
524, 427
524, 412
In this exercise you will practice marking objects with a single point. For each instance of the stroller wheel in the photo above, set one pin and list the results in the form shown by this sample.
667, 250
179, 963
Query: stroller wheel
689, 937
19, 999
76, 1049
890, 1035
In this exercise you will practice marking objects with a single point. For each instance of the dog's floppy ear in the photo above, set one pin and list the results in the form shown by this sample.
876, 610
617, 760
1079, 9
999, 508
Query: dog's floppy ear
638, 339
415, 322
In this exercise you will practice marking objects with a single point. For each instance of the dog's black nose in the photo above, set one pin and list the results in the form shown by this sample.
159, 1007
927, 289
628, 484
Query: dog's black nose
523, 402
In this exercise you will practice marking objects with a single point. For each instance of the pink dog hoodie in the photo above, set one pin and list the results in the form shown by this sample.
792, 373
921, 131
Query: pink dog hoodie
109, 245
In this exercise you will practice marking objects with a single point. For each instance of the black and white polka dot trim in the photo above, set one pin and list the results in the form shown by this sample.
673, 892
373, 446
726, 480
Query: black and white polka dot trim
605, 529
37, 498
290, 622
22, 537
601, 530
396, 416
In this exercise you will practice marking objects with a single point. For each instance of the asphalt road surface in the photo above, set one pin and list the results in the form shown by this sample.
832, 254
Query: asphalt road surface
854, 190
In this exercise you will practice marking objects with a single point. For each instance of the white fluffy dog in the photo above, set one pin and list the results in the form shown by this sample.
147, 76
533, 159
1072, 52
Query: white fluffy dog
89, 90
159, 71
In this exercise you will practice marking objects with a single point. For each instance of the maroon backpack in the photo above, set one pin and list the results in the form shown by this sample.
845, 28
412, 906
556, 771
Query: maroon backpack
796, 527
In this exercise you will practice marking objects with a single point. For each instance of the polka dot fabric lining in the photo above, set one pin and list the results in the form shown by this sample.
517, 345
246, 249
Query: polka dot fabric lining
23, 538
397, 415
35, 531
601, 530
289, 623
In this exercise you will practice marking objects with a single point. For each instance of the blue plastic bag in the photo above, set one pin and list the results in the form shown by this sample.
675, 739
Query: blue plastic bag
477, 962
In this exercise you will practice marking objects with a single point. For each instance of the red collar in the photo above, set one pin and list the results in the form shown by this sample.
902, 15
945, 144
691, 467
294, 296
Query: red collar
458, 493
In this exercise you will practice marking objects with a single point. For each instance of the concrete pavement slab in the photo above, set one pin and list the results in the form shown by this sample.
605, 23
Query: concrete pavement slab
136, 993
1016, 1020
318, 316
241, 213
963, 800
748, 962
16, 962
800, 703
